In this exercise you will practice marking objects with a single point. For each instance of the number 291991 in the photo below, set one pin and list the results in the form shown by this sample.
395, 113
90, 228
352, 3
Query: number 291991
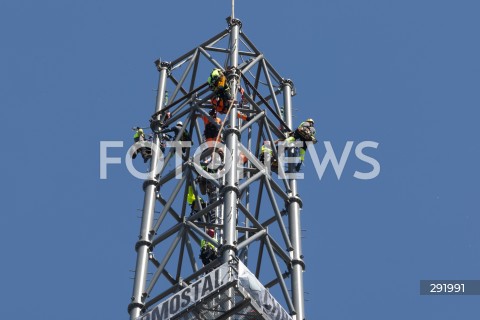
447, 288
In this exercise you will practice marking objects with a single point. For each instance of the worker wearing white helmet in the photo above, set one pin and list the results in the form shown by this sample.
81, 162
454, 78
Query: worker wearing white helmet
176, 130
306, 133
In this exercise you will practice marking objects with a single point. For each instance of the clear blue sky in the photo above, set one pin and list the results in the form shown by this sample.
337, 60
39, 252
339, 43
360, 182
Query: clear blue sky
403, 73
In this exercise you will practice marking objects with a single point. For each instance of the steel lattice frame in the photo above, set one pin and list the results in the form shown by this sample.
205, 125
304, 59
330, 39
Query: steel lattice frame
168, 245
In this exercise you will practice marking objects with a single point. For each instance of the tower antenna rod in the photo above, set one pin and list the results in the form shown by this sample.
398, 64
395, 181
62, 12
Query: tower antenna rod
231, 191
293, 207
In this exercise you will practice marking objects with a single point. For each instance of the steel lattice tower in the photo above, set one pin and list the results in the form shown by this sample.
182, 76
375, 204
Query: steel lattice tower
257, 213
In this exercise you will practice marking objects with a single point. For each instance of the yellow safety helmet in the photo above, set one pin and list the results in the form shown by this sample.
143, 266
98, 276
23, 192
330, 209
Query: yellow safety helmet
310, 120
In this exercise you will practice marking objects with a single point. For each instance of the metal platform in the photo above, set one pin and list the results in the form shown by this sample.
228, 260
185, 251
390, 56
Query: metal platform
230, 291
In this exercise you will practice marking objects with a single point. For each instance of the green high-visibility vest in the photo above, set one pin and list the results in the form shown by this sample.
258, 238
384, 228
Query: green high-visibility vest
205, 243
266, 149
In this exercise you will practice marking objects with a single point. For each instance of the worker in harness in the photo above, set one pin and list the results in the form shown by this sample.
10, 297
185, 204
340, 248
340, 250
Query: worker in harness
213, 136
222, 99
196, 206
266, 156
146, 152
217, 81
305, 132
208, 252
176, 131
212, 129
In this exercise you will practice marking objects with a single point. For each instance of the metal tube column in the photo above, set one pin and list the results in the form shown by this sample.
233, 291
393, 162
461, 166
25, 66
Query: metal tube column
146, 232
231, 139
293, 207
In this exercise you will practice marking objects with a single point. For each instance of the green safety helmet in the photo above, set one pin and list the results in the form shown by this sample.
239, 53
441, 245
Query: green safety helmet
214, 75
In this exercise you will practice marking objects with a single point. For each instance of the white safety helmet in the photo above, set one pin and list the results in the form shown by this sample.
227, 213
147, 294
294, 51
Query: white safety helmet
179, 124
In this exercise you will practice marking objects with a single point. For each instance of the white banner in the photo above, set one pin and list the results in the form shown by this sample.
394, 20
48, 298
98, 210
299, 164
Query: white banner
189, 295
260, 295
212, 282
